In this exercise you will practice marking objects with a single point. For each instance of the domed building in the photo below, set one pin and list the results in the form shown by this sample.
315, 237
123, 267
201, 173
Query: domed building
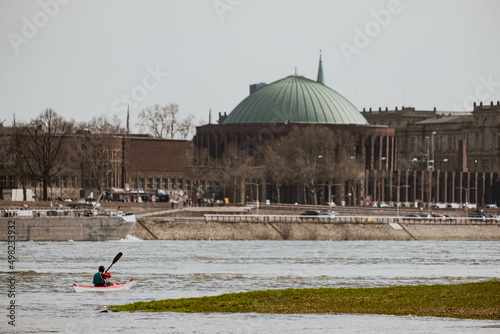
296, 102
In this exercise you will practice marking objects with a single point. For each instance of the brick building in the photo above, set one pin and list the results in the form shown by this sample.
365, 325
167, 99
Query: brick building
153, 163
133, 164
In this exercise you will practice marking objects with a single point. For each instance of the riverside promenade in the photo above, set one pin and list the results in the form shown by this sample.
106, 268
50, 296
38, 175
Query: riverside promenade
286, 223
158, 221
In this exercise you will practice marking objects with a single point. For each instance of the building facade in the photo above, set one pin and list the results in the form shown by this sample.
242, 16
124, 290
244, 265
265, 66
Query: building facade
443, 156
418, 157
272, 110
129, 167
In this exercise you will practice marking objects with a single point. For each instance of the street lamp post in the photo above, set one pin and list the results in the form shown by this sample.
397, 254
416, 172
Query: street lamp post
433, 133
428, 148
466, 199
398, 203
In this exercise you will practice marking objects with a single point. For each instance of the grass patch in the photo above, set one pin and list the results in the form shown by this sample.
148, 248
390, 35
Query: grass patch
468, 301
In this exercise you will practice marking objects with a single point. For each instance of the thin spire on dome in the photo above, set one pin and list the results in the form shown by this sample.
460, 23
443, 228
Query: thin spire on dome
321, 78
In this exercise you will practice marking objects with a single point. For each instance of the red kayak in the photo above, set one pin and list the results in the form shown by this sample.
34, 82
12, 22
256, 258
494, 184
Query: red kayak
112, 287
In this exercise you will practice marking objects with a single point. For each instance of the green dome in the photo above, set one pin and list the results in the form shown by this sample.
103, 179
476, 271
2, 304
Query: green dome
298, 100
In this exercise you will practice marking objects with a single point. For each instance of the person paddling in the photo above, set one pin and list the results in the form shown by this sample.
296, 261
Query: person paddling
101, 277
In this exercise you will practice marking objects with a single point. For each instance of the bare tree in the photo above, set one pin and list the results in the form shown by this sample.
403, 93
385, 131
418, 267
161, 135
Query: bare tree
10, 161
277, 163
315, 156
164, 122
348, 170
233, 167
197, 168
186, 127
42, 147
227, 170
99, 149
102, 124
311, 149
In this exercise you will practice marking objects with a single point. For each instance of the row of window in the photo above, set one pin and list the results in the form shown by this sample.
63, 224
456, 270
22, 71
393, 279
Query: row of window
111, 180
62, 182
172, 184
65, 182
446, 143
137, 183
8, 181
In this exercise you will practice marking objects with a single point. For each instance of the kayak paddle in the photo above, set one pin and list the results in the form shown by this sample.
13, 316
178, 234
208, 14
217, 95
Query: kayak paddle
117, 257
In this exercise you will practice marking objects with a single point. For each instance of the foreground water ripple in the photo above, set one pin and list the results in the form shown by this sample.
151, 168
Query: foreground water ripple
176, 269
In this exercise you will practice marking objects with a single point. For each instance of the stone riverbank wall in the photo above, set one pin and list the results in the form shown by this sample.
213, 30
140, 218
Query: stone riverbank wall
63, 228
293, 227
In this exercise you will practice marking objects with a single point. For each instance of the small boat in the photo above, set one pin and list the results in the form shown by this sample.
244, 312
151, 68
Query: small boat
112, 287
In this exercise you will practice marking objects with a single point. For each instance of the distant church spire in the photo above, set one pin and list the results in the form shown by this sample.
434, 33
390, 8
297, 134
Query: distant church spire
321, 78
128, 118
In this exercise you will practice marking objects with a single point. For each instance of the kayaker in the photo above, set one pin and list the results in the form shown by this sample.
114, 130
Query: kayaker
101, 277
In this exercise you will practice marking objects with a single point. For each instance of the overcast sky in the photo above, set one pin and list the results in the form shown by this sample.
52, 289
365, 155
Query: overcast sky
94, 57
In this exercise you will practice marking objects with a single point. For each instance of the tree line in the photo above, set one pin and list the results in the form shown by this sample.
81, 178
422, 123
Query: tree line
49, 147
314, 156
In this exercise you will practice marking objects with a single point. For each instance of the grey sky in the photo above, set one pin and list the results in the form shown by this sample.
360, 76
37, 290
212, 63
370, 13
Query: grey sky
82, 58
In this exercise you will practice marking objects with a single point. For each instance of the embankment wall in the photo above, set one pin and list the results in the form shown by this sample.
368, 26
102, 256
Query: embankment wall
359, 229
63, 228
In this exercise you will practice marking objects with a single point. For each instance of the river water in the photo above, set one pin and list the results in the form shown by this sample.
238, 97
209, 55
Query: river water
45, 301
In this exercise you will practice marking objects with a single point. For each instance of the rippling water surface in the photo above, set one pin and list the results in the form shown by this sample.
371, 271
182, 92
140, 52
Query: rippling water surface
174, 269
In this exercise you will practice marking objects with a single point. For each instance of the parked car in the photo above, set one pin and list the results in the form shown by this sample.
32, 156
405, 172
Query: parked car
438, 206
384, 205
310, 213
470, 206
453, 206
491, 206
481, 215
332, 214
248, 206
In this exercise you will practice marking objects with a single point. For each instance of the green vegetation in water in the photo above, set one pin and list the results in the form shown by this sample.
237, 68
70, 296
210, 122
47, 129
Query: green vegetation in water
469, 301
